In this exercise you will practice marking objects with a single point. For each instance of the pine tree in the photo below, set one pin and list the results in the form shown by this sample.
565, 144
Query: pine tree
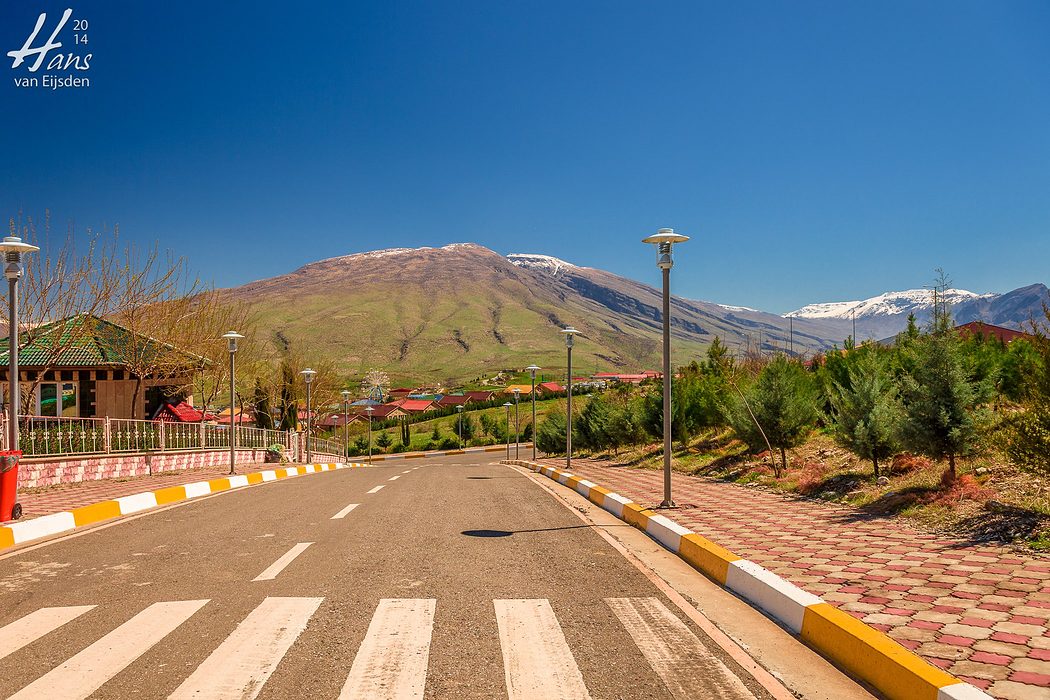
867, 413
943, 403
1028, 432
550, 435
383, 440
780, 407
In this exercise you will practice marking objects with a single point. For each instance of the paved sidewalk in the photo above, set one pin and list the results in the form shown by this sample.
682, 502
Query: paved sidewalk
978, 611
54, 499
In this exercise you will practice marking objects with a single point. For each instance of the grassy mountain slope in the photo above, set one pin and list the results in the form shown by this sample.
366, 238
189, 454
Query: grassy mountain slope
463, 311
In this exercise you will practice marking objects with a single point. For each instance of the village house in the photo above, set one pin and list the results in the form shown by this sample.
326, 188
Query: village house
82, 367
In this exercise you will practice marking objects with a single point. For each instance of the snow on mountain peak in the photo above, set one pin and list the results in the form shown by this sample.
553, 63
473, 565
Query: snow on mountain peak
387, 252
888, 304
540, 262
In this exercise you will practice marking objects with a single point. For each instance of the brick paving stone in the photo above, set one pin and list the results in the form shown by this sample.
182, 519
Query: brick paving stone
1012, 690
921, 588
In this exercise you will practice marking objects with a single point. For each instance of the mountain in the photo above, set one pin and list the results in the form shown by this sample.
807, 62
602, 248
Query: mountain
462, 311
886, 315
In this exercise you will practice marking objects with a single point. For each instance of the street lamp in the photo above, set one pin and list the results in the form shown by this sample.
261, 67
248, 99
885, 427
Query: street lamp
346, 440
459, 410
507, 406
533, 369
369, 410
308, 375
13, 247
231, 338
517, 423
664, 239
569, 333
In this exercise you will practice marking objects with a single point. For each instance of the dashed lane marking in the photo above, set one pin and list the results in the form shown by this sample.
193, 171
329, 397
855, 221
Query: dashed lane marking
241, 665
395, 477
344, 512
279, 565
377, 488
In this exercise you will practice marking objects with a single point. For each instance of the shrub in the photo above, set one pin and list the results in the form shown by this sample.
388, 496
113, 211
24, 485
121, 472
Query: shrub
550, 436
450, 443
399, 447
866, 411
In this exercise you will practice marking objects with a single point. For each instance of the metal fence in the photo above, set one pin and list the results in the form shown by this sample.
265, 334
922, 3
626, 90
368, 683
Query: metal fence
328, 447
41, 436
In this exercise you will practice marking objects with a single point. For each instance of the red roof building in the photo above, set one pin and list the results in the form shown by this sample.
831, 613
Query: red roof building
400, 393
415, 405
480, 395
987, 330
549, 387
380, 412
182, 412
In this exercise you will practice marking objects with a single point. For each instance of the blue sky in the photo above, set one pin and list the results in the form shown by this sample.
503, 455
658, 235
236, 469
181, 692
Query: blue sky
814, 151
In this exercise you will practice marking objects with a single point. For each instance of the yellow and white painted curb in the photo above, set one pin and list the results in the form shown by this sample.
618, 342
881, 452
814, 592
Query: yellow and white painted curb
56, 523
860, 650
446, 453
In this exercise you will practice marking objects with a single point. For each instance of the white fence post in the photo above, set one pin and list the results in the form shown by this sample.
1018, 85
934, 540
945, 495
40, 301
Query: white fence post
107, 437
161, 437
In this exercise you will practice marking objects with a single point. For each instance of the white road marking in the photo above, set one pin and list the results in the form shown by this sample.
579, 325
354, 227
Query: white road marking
395, 477
377, 488
286, 559
241, 665
343, 513
537, 662
82, 675
28, 629
406, 471
683, 663
392, 660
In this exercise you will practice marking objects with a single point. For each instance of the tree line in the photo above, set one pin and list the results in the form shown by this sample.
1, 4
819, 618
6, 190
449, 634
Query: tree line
933, 392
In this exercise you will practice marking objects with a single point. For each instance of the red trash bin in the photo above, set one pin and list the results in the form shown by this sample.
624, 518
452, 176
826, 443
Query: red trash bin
9, 485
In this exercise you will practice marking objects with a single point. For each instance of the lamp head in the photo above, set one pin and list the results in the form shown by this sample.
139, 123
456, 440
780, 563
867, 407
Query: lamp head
13, 247
508, 404
663, 239
345, 393
533, 369
308, 374
569, 332
459, 408
370, 411
231, 338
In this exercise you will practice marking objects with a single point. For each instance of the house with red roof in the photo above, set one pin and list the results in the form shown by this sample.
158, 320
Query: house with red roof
480, 395
981, 329
549, 388
182, 412
415, 405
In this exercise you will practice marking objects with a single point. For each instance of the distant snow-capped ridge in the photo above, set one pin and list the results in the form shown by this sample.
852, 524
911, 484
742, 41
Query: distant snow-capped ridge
888, 304
387, 252
540, 262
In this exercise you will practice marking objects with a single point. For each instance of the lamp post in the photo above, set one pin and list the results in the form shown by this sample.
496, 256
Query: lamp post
12, 248
369, 410
664, 239
459, 410
517, 423
346, 439
308, 376
532, 370
231, 338
507, 406
569, 333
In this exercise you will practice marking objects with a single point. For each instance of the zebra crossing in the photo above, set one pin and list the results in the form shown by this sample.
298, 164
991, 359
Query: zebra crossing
392, 660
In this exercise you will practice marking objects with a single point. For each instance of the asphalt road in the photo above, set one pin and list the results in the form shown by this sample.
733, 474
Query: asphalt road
445, 578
